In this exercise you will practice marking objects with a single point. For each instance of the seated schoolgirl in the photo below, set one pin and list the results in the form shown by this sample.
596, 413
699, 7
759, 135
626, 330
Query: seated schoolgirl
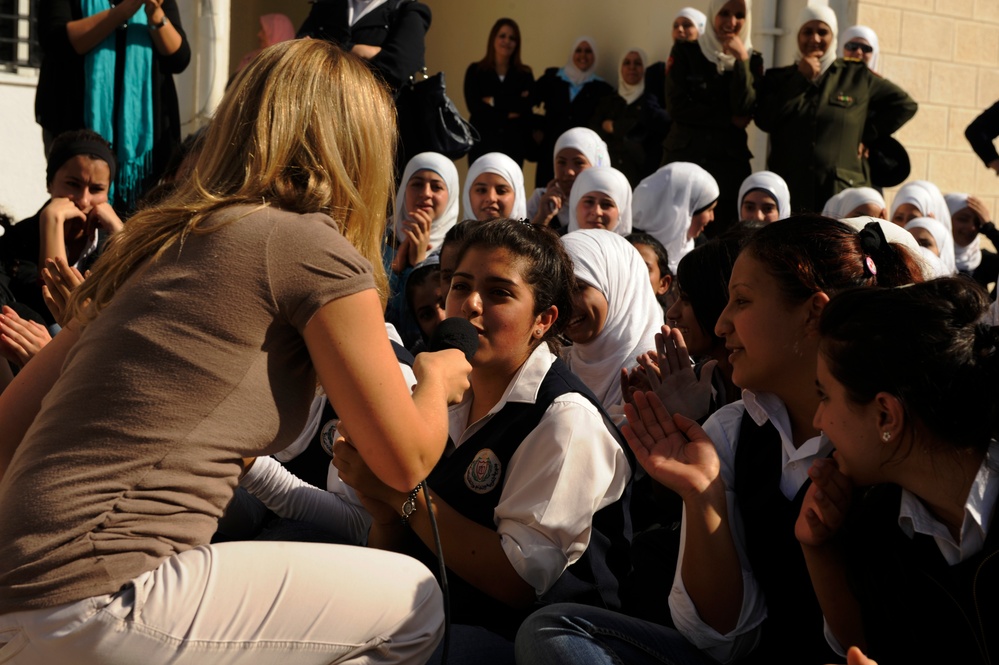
601, 199
615, 315
971, 217
856, 202
909, 571
764, 197
494, 189
699, 388
936, 243
741, 587
657, 259
529, 496
426, 207
73, 224
576, 150
674, 204
919, 198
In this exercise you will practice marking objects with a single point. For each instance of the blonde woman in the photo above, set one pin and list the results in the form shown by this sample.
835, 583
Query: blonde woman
196, 344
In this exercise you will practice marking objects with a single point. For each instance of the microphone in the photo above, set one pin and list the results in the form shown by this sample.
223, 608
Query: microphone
456, 333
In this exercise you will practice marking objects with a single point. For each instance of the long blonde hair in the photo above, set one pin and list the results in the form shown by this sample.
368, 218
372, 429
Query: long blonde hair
305, 128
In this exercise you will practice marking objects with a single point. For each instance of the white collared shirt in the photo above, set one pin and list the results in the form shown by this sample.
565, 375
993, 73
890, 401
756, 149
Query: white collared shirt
568, 467
914, 517
723, 429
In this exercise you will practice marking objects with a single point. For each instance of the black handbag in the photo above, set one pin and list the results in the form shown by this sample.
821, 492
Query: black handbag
429, 120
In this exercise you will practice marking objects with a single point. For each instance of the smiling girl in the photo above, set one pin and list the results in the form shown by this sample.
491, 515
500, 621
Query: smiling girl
924, 434
494, 189
601, 199
741, 585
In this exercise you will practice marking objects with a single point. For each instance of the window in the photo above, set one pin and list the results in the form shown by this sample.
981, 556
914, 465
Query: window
18, 35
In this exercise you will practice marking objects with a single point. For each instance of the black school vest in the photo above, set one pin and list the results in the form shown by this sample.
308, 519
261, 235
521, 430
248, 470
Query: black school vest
916, 607
471, 481
792, 631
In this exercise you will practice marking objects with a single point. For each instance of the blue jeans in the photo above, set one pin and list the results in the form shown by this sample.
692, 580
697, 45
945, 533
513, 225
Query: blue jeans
571, 634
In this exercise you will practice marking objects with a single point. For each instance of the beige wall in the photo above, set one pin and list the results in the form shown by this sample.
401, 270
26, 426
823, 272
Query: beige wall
945, 53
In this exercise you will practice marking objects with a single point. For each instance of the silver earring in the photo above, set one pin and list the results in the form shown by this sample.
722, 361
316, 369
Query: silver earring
886, 436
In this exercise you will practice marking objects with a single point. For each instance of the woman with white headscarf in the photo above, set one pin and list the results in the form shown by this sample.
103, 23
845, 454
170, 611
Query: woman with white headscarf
764, 197
632, 122
710, 97
615, 315
569, 95
919, 198
426, 207
935, 238
601, 199
673, 205
689, 24
856, 202
861, 43
494, 188
838, 106
576, 150
969, 218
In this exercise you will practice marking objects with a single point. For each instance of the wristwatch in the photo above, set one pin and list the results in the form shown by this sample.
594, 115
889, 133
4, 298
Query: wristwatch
157, 26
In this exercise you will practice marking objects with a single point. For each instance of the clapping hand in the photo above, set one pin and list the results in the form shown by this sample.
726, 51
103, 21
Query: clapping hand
674, 450
673, 379
60, 279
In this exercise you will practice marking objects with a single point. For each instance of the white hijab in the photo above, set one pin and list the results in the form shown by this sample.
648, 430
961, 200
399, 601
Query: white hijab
587, 142
612, 265
842, 204
609, 181
927, 199
773, 185
696, 17
969, 257
942, 236
864, 32
665, 202
711, 46
574, 74
896, 235
444, 167
506, 168
827, 16
631, 92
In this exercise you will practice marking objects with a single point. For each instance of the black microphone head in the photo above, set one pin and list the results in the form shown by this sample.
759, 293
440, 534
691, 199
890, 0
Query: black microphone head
456, 333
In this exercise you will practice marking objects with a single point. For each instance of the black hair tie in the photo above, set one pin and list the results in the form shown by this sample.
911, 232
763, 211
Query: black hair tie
872, 243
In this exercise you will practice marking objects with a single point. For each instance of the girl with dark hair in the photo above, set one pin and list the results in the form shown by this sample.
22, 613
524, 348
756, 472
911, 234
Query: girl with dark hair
527, 499
697, 390
498, 95
657, 260
924, 434
741, 587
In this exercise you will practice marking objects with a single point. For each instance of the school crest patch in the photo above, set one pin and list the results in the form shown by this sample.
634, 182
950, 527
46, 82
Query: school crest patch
483, 474
328, 435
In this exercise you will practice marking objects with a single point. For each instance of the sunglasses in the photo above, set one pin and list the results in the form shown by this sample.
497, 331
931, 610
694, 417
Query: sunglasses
857, 46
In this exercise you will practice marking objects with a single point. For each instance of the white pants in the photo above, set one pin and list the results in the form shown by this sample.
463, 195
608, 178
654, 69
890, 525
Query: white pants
244, 602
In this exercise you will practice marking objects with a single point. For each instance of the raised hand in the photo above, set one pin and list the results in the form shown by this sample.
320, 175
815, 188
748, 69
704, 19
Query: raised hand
60, 279
551, 202
104, 217
674, 450
734, 46
675, 383
826, 504
417, 231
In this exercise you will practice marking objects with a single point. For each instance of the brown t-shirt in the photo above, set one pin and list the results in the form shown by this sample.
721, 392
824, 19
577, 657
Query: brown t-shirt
197, 362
